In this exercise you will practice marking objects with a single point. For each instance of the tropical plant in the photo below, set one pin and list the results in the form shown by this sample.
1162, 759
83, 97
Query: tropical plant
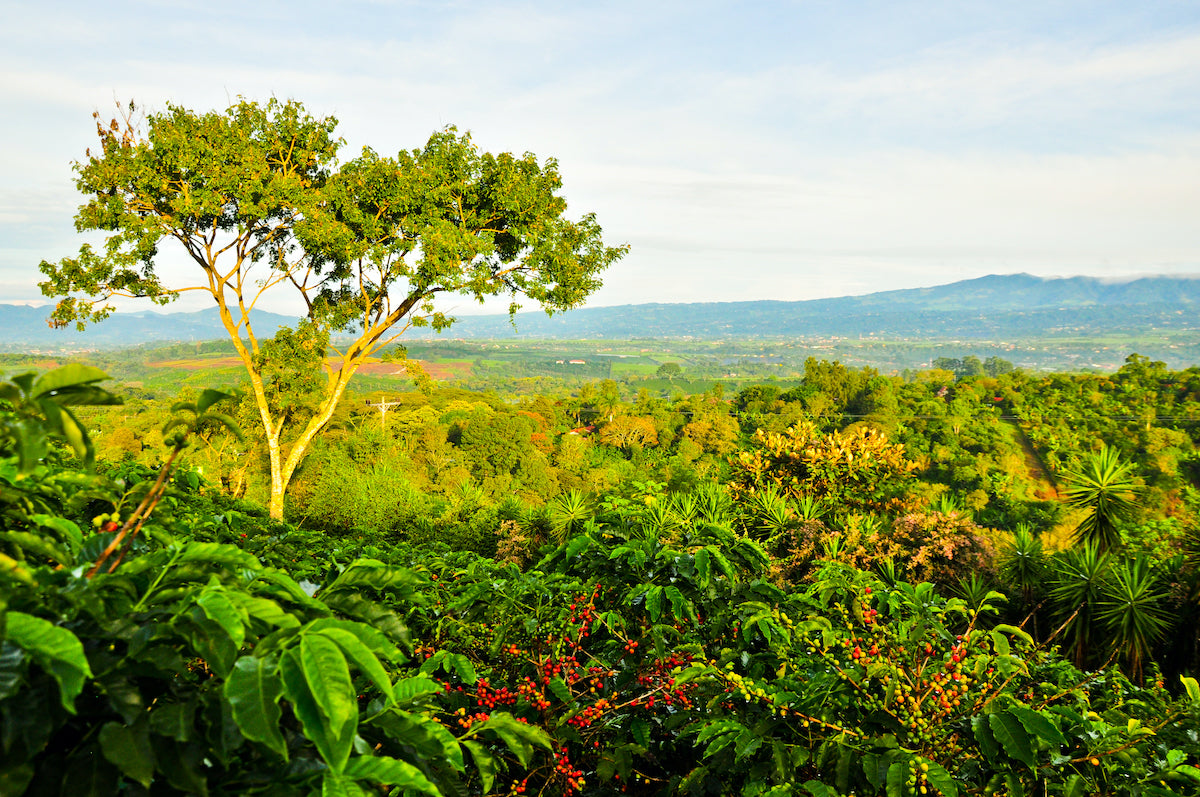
1076, 590
1022, 566
1103, 488
1133, 611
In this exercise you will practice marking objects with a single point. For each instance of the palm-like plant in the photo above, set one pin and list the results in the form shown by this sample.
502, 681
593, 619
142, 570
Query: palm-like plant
1023, 565
1132, 610
769, 515
568, 514
1103, 487
1078, 587
713, 503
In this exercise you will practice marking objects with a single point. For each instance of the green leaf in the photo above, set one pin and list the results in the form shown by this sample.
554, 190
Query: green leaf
897, 776
941, 780
221, 610
391, 772
1075, 786
353, 648
406, 690
818, 789
427, 738
12, 660
1191, 688
215, 553
334, 784
983, 735
328, 678
1011, 734
128, 748
38, 547
746, 743
66, 529
578, 545
16, 780
517, 736
484, 762
654, 599
1039, 725
377, 575
70, 375
334, 749
641, 732
560, 689
176, 720
253, 690
56, 650
372, 638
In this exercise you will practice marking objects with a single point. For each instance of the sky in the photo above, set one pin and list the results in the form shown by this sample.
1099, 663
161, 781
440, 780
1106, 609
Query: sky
750, 150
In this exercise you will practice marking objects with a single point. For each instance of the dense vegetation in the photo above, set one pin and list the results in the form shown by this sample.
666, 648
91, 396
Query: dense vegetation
966, 580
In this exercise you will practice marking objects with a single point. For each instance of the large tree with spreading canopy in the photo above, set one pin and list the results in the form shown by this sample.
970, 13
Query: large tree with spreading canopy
257, 201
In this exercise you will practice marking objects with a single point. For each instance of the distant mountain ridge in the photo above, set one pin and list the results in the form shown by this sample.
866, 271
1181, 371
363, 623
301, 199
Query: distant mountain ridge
987, 307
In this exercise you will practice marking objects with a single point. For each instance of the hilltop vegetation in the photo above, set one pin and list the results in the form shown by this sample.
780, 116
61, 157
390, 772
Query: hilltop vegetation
965, 580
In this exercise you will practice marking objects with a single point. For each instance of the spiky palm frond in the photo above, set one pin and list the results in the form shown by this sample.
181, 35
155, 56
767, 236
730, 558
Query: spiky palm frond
1102, 486
1131, 609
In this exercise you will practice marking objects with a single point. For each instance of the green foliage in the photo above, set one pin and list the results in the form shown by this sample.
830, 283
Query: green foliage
856, 470
38, 409
1102, 487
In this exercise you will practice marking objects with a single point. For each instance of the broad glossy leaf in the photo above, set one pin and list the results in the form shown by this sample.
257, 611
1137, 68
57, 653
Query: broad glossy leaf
215, 553
328, 678
654, 600
1192, 688
484, 762
984, 737
336, 785
68, 375
334, 749
818, 789
408, 689
517, 736
221, 611
897, 776
66, 529
55, 649
353, 648
253, 690
378, 642
426, 737
39, 547
12, 659
128, 748
941, 780
1039, 725
1011, 734
391, 772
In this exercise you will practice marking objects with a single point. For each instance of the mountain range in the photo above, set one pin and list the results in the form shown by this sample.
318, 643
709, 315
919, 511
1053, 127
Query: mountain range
992, 307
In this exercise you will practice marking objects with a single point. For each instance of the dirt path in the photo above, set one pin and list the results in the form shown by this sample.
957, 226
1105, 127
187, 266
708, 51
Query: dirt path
1036, 471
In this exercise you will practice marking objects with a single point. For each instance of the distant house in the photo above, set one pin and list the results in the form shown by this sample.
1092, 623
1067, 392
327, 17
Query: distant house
577, 362
583, 431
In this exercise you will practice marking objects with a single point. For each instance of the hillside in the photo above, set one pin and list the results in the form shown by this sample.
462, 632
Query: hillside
992, 307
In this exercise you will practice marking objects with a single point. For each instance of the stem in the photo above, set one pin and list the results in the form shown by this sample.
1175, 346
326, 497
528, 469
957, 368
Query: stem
139, 515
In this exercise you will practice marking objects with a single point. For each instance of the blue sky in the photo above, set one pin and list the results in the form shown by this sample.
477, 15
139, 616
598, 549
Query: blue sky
782, 150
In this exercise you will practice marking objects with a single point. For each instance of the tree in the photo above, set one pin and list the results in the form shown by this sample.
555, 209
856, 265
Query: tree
668, 371
256, 200
1104, 489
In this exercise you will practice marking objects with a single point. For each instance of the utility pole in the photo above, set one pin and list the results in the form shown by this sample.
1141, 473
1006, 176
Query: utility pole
383, 406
